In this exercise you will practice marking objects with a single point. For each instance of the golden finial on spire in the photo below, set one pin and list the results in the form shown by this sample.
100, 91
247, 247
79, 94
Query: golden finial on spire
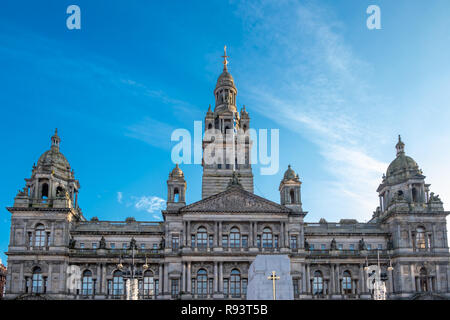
225, 62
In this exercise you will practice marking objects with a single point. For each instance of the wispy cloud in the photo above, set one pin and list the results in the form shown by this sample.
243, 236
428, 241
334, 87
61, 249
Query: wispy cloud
150, 204
119, 197
321, 92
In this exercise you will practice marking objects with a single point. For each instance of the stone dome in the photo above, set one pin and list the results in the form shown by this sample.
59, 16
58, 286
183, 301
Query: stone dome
225, 79
290, 174
176, 173
402, 163
53, 157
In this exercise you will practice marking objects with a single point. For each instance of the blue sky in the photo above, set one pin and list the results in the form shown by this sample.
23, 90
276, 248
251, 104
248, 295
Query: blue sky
339, 93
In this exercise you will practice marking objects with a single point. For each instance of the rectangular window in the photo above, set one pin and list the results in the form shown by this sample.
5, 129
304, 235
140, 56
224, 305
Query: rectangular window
293, 242
311, 247
295, 285
112, 245
244, 286
193, 241
94, 245
352, 247
245, 241
225, 241
193, 285
322, 247
258, 241
156, 287
155, 246
211, 286
275, 241
124, 246
81, 245
175, 288
225, 287
380, 246
369, 247
30, 239
340, 246
142, 246
211, 241
109, 287
175, 242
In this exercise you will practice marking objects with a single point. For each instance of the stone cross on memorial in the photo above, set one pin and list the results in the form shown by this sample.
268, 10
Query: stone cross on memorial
274, 278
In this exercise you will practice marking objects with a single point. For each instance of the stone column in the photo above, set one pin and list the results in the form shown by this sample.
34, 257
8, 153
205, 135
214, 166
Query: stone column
255, 235
220, 233
216, 277
391, 281
188, 234
337, 282
189, 277
308, 284
183, 276
216, 238
221, 277
251, 244
304, 288
438, 283
412, 276
166, 278
332, 285
286, 236
281, 244
361, 277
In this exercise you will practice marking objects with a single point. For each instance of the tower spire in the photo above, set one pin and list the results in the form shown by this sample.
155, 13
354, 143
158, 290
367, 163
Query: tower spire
225, 61
55, 140
400, 146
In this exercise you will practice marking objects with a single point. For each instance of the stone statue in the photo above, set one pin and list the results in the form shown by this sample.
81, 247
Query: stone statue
333, 244
434, 197
60, 192
234, 180
362, 245
102, 243
72, 242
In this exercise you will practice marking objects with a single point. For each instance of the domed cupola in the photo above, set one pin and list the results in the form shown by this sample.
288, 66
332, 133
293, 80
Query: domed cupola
402, 167
225, 91
176, 189
52, 182
403, 181
290, 195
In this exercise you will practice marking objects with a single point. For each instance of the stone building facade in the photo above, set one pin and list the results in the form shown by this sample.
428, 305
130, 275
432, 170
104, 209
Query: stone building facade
2, 279
203, 250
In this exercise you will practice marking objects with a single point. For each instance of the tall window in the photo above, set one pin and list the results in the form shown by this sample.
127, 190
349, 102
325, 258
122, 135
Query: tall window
211, 241
235, 284
202, 237
117, 283
176, 195
292, 196
45, 191
235, 238
175, 242
423, 280
347, 282
87, 283
244, 241
420, 239
149, 284
267, 238
175, 288
225, 287
318, 283
414, 194
37, 281
225, 241
202, 282
244, 286
39, 238
293, 242
258, 241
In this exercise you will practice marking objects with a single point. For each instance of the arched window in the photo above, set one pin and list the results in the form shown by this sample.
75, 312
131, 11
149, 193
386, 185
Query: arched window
118, 283
423, 280
176, 195
37, 281
235, 283
292, 196
267, 238
347, 282
202, 237
39, 238
210, 126
420, 238
202, 282
235, 238
87, 283
318, 283
149, 284
44, 194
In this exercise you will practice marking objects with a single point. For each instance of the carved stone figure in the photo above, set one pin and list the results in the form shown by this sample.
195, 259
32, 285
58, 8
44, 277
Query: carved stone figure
333, 244
72, 242
362, 245
102, 243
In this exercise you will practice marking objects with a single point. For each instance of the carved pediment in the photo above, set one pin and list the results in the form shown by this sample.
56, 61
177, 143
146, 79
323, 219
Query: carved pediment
235, 199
